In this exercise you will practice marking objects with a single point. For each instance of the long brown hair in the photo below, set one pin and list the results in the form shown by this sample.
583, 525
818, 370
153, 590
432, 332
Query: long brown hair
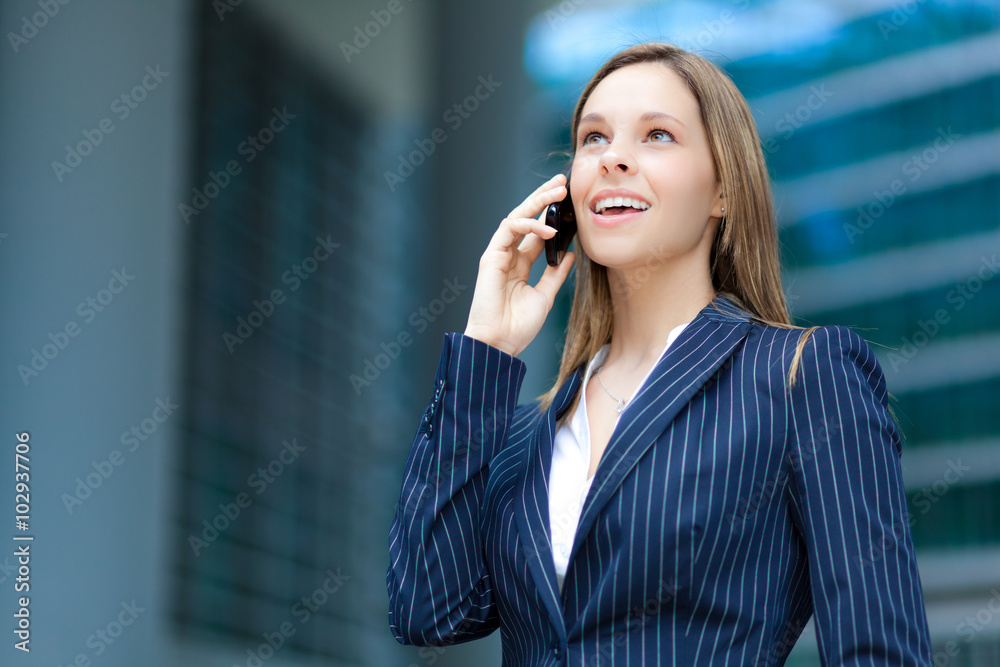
745, 261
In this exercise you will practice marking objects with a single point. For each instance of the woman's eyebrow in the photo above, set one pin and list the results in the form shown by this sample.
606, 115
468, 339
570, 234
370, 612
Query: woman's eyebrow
592, 118
659, 115
645, 118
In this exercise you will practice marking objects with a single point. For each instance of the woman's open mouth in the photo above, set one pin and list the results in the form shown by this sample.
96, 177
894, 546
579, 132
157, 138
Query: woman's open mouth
613, 211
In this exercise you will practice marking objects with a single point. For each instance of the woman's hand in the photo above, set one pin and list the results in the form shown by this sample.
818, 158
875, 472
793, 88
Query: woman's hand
507, 312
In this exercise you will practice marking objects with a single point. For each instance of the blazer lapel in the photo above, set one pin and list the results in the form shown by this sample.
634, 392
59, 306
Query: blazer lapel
532, 510
692, 359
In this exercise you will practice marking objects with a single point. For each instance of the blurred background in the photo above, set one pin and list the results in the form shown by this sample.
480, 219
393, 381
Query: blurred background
233, 232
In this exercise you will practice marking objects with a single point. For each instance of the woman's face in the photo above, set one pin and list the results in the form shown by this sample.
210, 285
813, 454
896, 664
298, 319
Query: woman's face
641, 138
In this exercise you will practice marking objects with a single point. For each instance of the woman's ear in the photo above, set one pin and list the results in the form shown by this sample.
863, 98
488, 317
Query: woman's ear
719, 208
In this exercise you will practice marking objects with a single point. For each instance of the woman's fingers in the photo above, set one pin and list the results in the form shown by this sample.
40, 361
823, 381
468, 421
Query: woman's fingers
554, 276
506, 312
512, 231
549, 192
533, 244
522, 220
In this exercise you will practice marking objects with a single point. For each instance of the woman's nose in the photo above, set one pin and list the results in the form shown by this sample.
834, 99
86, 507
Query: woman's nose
614, 159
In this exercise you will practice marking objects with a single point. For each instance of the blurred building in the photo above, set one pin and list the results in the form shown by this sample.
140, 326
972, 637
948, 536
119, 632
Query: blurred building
245, 241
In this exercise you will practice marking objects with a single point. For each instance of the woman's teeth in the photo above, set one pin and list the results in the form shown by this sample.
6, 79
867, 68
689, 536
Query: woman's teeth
620, 202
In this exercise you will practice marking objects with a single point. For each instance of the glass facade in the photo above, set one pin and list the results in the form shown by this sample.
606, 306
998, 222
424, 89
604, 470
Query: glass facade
273, 305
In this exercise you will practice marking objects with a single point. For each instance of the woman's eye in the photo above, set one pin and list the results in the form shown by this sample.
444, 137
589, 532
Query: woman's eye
592, 138
661, 135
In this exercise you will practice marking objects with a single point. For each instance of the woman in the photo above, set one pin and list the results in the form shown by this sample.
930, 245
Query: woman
703, 477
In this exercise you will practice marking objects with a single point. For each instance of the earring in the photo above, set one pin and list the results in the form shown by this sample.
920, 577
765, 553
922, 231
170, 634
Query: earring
723, 209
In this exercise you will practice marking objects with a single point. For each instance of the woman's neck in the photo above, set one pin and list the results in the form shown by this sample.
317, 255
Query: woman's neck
649, 302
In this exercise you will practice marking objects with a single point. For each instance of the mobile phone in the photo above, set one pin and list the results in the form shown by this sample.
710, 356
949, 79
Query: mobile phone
561, 217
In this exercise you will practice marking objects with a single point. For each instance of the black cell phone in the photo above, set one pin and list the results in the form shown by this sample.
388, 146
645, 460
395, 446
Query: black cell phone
561, 217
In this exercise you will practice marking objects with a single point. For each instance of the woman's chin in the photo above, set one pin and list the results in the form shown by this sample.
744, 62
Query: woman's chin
630, 256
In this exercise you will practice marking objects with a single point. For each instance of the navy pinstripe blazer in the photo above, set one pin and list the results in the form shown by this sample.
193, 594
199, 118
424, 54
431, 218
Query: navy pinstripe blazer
727, 509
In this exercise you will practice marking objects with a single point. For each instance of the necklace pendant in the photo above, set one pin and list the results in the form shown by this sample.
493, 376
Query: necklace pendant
621, 405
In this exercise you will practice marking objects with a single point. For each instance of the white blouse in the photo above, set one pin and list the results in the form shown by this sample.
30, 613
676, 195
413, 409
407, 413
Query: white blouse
568, 481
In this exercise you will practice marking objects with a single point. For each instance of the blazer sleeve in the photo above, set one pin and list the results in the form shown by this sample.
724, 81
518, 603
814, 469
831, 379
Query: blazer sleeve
439, 589
849, 504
